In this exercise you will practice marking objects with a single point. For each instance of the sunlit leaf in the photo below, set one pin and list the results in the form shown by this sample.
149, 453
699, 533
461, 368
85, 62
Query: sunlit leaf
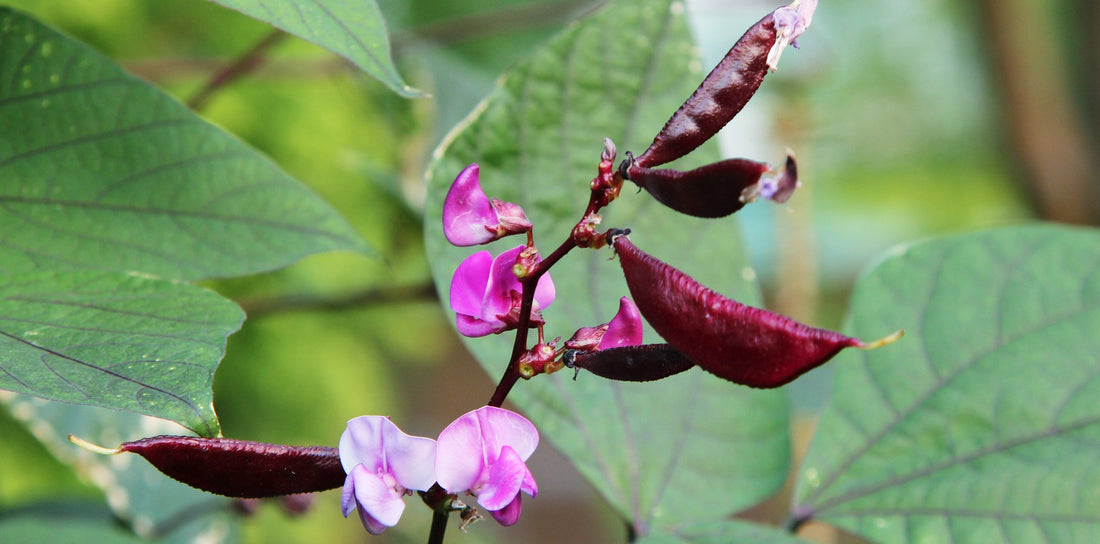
721, 532
982, 424
152, 505
352, 29
119, 341
690, 447
100, 170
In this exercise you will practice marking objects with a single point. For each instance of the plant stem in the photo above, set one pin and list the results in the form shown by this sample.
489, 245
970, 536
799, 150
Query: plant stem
249, 61
439, 527
511, 374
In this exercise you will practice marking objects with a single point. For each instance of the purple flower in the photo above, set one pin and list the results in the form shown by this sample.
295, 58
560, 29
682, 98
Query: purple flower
625, 329
470, 218
383, 464
485, 293
483, 453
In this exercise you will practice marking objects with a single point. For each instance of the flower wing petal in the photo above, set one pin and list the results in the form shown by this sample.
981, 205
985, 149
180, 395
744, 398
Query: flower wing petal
500, 427
361, 442
460, 457
411, 459
469, 283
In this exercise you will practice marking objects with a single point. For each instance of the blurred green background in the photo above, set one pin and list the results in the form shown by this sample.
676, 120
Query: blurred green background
908, 119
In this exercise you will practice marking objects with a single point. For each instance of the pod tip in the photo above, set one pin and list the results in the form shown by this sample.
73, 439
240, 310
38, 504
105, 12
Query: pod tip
94, 448
888, 339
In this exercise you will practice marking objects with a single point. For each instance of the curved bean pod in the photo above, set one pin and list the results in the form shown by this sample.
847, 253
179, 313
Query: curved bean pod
631, 363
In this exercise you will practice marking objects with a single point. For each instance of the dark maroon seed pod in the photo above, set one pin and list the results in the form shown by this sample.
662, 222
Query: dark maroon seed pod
631, 363
733, 341
714, 190
238, 468
719, 97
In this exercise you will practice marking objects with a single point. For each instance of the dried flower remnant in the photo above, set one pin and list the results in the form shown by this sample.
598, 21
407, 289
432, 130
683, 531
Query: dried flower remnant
485, 293
625, 329
739, 343
470, 218
483, 452
383, 464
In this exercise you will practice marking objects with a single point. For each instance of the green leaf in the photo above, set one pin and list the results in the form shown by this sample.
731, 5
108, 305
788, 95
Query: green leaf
119, 341
87, 523
691, 447
982, 424
354, 30
150, 503
722, 532
100, 170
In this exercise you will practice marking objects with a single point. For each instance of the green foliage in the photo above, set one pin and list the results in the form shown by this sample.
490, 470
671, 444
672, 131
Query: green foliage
721, 532
352, 29
653, 450
981, 425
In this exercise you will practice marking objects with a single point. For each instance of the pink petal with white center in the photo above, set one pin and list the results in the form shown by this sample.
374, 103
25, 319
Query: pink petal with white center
361, 443
467, 211
625, 329
500, 427
460, 456
376, 499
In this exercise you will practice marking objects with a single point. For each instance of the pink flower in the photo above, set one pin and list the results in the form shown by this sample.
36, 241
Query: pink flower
485, 293
470, 218
625, 329
383, 465
483, 452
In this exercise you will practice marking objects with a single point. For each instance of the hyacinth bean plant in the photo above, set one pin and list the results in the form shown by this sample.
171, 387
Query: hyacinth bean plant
932, 437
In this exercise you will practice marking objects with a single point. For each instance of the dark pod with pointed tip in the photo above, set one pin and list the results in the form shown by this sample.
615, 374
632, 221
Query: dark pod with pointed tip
239, 468
714, 190
733, 341
631, 363
718, 99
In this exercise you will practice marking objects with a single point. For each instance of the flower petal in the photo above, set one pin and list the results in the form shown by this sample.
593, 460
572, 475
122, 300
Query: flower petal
506, 477
472, 327
500, 427
377, 501
502, 281
361, 443
469, 283
544, 292
509, 515
459, 456
625, 329
467, 211
410, 459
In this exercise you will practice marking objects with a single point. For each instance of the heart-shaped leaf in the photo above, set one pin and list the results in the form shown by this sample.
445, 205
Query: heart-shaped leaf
691, 447
982, 424
354, 30
100, 170
119, 341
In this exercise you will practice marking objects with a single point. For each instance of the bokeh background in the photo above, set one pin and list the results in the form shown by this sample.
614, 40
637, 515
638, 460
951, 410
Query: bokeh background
909, 119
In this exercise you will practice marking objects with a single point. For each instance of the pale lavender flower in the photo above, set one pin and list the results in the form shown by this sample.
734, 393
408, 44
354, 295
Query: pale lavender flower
383, 465
470, 218
483, 452
485, 293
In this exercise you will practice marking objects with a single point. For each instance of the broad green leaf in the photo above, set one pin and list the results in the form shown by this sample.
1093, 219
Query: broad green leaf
150, 503
722, 532
100, 170
981, 424
687, 448
119, 341
353, 29
87, 523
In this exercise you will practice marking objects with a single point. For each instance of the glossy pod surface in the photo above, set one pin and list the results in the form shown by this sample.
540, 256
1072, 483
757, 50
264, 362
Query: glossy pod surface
239, 468
736, 342
631, 363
